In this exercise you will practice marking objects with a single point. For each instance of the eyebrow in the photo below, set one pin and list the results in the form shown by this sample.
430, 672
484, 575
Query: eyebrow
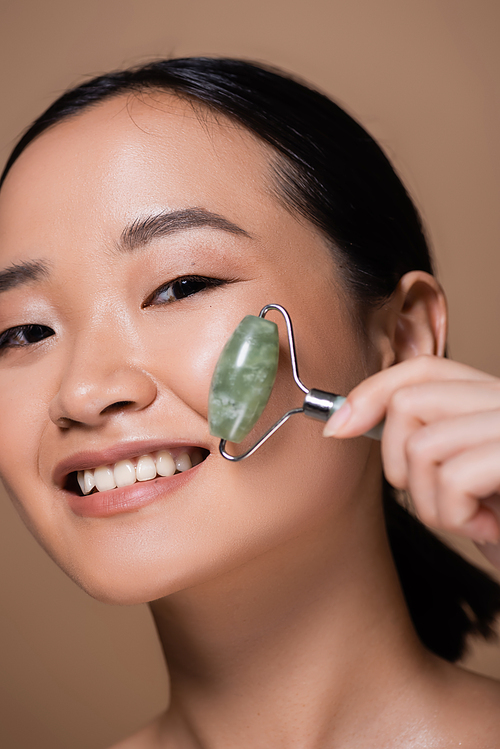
139, 233
142, 231
22, 273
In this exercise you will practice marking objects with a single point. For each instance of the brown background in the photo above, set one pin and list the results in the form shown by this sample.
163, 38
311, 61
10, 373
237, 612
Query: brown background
423, 77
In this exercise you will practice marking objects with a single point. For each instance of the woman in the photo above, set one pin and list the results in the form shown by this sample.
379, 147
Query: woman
141, 217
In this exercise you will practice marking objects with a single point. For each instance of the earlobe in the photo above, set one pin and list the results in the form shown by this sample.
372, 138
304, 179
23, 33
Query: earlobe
421, 316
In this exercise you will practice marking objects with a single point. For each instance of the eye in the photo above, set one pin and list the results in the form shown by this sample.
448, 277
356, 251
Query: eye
24, 335
181, 288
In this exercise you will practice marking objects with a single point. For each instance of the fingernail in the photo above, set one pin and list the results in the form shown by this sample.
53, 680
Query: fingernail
337, 421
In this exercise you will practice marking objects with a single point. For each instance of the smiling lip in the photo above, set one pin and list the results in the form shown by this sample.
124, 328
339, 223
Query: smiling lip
92, 459
128, 498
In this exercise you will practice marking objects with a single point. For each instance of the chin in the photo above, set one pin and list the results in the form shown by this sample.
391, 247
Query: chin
127, 579
124, 590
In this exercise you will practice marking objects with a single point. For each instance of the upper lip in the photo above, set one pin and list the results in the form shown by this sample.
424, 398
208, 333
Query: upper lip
94, 458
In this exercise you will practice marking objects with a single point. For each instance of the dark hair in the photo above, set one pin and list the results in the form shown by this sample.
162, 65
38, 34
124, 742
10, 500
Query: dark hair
329, 170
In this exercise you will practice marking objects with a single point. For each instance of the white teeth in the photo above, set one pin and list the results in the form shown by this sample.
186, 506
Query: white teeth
104, 479
124, 473
88, 480
81, 481
145, 468
183, 462
165, 464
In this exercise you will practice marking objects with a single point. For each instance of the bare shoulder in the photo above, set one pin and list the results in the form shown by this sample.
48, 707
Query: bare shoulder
471, 710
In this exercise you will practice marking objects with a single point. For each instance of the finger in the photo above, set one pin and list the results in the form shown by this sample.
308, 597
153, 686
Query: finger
483, 528
491, 550
399, 427
432, 445
414, 406
462, 482
367, 403
437, 401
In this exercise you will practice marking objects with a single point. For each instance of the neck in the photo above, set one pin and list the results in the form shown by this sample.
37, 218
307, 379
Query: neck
290, 644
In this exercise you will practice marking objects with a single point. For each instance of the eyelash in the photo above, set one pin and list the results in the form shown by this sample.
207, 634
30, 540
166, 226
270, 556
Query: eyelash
11, 338
182, 288
176, 290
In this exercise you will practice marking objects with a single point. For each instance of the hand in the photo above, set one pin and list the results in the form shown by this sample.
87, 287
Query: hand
441, 442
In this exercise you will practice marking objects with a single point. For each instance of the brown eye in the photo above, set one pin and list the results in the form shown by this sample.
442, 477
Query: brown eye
187, 286
24, 335
182, 288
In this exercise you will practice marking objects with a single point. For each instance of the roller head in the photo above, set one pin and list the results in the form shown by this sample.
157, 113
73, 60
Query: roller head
243, 379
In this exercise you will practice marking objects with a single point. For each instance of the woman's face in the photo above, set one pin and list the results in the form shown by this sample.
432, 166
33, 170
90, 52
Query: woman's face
98, 218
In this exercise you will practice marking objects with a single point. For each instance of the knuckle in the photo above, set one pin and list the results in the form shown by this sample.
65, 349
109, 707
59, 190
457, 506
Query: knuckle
420, 449
402, 401
424, 364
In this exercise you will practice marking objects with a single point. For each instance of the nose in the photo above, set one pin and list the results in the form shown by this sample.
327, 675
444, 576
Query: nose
99, 381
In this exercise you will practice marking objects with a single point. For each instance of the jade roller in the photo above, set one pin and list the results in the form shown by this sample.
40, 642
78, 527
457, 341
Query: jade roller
243, 380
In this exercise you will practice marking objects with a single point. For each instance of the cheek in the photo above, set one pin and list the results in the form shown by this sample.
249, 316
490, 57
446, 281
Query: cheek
328, 352
183, 357
25, 393
23, 408
185, 351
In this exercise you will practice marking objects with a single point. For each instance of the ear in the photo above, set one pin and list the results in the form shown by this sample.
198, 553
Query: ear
414, 321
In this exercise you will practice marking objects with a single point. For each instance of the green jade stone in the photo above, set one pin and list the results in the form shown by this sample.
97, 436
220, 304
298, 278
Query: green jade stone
243, 378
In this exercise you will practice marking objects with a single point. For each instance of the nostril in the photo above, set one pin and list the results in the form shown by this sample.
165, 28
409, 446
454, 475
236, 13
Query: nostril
64, 423
118, 406
87, 396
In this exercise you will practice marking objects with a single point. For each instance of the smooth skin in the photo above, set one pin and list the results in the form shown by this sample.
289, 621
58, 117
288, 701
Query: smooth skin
272, 586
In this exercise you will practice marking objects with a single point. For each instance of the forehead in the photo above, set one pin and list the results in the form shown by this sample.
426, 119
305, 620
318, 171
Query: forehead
131, 154
75, 189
